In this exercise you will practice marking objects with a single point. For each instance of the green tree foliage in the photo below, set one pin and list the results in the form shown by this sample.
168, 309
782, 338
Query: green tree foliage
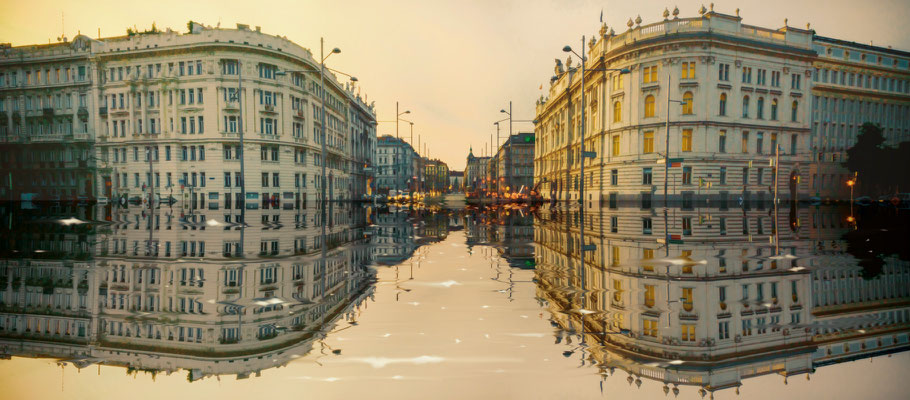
881, 169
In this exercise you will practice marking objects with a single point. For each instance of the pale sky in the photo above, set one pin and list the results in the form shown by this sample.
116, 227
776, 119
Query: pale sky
453, 64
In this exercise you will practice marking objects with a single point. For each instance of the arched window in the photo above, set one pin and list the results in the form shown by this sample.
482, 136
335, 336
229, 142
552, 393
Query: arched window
723, 104
649, 106
687, 103
617, 111
793, 110
745, 106
774, 109
760, 108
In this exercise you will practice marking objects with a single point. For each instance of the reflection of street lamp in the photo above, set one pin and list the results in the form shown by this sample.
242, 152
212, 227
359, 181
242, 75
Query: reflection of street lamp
851, 183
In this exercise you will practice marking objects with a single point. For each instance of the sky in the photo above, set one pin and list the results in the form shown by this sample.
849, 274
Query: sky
453, 64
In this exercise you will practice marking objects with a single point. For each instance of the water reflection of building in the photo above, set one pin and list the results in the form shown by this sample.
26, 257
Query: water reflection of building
393, 237
511, 232
730, 298
176, 306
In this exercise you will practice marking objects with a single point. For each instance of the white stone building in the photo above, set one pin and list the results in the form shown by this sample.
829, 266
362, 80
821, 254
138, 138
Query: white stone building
747, 91
173, 97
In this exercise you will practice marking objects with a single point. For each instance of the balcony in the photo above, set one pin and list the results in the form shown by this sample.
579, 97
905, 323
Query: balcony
232, 105
268, 108
48, 111
102, 111
298, 113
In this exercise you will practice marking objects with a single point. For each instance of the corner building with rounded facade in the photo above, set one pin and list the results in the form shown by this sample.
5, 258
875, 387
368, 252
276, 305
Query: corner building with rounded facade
733, 93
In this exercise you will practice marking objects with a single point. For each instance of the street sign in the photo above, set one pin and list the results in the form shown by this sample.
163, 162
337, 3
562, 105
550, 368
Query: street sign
590, 154
588, 247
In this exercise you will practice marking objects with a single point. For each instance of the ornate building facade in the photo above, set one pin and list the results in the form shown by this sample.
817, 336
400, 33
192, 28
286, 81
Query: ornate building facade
728, 95
165, 110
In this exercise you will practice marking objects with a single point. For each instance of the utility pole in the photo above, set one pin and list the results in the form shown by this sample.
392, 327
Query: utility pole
242, 202
667, 144
324, 158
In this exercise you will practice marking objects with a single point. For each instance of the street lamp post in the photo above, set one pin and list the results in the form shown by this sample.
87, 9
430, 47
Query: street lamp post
667, 141
584, 154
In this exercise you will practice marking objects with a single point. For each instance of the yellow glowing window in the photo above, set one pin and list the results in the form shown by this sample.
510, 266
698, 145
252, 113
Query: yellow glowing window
615, 145
649, 328
647, 254
648, 143
687, 140
646, 75
649, 106
687, 299
617, 111
617, 291
614, 254
688, 333
649, 295
654, 74
687, 103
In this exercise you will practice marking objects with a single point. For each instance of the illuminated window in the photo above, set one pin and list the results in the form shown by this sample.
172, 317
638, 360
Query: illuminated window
774, 109
687, 103
649, 328
687, 140
723, 104
745, 106
647, 254
649, 295
649, 106
649, 74
615, 145
687, 299
648, 143
617, 111
688, 70
688, 332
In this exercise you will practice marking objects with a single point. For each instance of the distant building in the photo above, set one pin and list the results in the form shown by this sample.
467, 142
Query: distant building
395, 165
436, 175
456, 181
475, 172
514, 163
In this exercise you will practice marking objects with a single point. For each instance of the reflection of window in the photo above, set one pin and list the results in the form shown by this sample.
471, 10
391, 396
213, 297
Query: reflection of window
614, 254
649, 295
616, 145
688, 333
687, 299
649, 328
647, 254
617, 291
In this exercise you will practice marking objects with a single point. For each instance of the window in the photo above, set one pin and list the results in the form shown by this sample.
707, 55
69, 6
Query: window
722, 141
745, 106
722, 111
747, 74
793, 144
745, 175
723, 175
687, 140
688, 332
774, 109
616, 145
687, 299
649, 106
649, 328
760, 110
648, 143
745, 144
649, 295
688, 70
687, 103
795, 81
265, 179
723, 72
722, 225
649, 74
617, 111
646, 224
759, 143
646, 176
723, 330
794, 110
614, 177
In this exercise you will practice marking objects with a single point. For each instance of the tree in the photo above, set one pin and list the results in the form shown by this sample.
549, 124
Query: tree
870, 159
